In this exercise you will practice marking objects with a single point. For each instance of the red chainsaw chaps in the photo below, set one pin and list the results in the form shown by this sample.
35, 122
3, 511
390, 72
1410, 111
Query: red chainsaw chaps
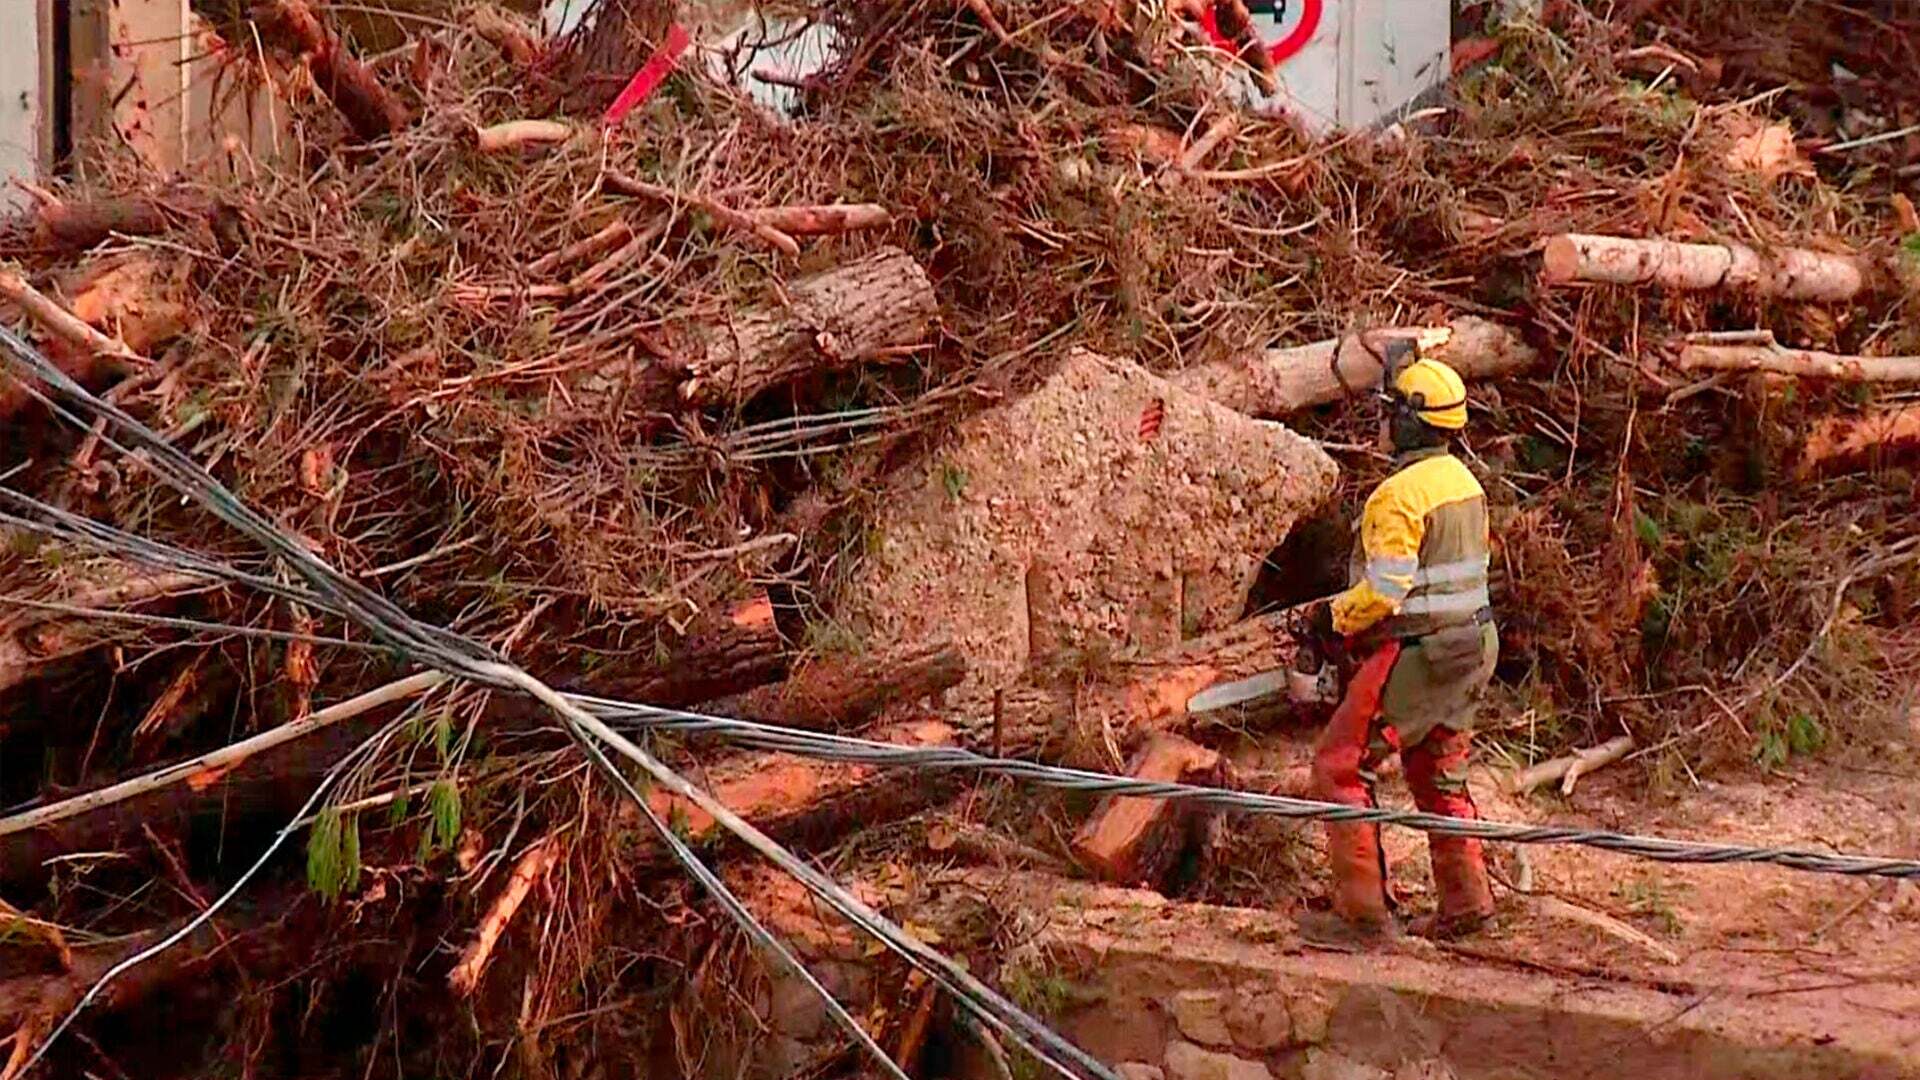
1340, 755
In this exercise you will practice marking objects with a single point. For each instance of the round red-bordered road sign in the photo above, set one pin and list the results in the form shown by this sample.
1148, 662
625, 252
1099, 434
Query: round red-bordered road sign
1295, 40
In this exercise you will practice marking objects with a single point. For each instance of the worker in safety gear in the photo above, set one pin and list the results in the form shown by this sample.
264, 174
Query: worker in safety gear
1417, 630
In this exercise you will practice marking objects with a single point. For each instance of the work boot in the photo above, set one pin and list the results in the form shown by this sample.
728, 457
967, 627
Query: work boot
1360, 912
1460, 879
1437, 774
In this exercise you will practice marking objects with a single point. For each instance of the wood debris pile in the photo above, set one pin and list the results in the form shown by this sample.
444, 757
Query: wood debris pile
666, 408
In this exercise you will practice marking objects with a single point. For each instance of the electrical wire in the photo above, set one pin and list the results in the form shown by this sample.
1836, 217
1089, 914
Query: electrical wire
456, 655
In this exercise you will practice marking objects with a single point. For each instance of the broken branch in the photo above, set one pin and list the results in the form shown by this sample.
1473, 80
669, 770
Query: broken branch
519, 134
201, 769
726, 215
67, 326
1569, 769
530, 870
369, 109
821, 220
1770, 356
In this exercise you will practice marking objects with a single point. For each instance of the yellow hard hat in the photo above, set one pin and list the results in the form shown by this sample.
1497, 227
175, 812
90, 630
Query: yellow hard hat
1435, 392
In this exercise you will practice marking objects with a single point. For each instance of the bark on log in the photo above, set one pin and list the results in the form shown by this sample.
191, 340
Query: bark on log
805, 801
729, 653
1807, 363
879, 308
78, 226
1136, 841
369, 109
32, 639
1840, 443
1281, 381
839, 693
1789, 273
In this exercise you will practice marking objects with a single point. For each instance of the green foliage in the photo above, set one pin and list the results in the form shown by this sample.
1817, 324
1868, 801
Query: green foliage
443, 806
953, 478
1780, 741
333, 854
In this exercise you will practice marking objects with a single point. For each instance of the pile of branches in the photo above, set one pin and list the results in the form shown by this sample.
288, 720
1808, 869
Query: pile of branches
583, 392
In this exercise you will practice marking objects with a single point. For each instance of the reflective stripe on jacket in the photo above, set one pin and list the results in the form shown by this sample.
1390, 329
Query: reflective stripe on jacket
1421, 563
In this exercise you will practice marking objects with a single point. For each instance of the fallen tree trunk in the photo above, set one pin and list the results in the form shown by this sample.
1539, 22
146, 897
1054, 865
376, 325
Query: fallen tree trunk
1839, 443
32, 638
879, 308
1770, 356
1281, 381
368, 108
805, 801
838, 693
722, 655
78, 226
1789, 273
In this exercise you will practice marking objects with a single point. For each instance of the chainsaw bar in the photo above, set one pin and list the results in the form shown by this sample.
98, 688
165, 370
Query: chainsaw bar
1240, 691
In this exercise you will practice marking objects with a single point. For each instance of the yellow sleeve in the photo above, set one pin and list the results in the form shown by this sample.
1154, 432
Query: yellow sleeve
1391, 530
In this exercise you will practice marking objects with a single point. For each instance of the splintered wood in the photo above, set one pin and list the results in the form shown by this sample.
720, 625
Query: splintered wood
1133, 840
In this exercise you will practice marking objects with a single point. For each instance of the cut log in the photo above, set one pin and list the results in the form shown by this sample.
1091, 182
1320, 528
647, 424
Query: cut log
837, 693
505, 32
78, 226
1840, 443
1770, 356
1788, 273
1281, 381
877, 309
725, 654
370, 111
1137, 841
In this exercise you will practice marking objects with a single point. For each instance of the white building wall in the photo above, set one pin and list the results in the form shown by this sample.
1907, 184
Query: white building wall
22, 97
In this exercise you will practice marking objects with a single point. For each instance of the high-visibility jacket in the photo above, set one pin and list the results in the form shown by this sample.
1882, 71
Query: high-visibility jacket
1421, 563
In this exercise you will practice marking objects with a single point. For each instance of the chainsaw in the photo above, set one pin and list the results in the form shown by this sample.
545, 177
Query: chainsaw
1314, 678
